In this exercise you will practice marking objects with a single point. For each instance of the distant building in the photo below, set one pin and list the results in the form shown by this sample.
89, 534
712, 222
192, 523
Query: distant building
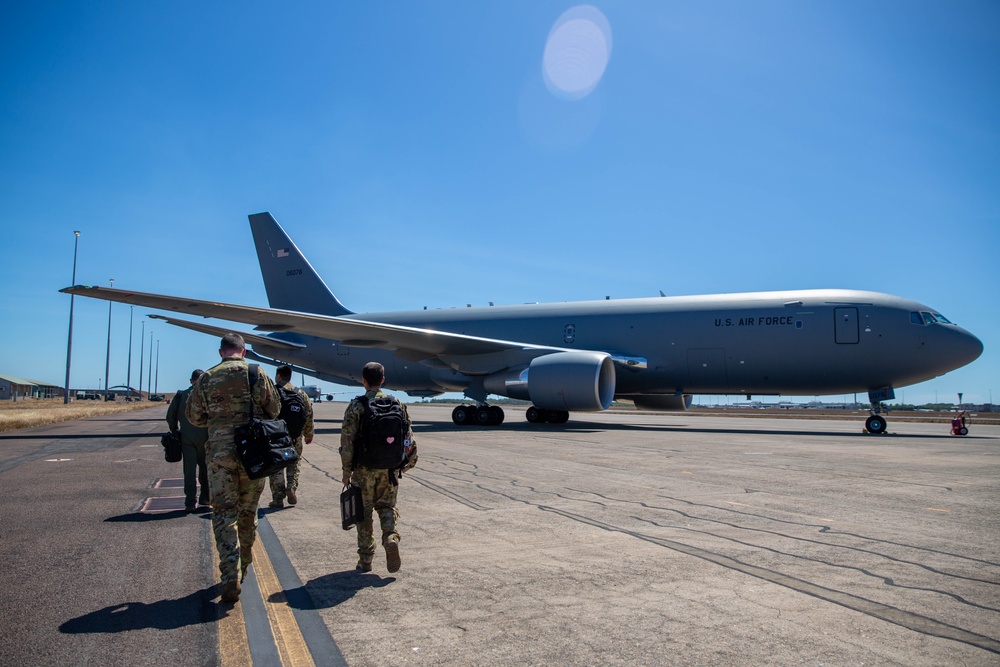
14, 388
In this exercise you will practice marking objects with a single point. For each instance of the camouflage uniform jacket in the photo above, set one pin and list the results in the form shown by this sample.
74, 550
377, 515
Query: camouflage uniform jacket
351, 427
190, 434
308, 430
220, 400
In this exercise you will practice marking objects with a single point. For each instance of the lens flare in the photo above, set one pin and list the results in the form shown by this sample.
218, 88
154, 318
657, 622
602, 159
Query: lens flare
577, 52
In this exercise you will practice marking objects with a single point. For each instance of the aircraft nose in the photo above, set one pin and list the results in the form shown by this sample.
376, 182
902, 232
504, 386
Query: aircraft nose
973, 347
965, 348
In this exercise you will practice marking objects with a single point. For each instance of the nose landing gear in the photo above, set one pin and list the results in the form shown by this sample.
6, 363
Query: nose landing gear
876, 422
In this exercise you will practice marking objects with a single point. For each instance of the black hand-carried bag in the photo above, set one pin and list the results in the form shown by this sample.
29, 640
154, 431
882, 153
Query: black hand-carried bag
263, 445
171, 446
352, 507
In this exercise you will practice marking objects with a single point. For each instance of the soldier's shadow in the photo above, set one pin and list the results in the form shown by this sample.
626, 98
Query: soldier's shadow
193, 609
330, 589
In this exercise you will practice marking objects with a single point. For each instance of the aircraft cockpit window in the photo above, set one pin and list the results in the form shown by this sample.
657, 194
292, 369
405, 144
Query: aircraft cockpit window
928, 318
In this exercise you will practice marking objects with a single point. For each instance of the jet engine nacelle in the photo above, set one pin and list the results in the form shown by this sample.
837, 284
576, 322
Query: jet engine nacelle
560, 381
668, 402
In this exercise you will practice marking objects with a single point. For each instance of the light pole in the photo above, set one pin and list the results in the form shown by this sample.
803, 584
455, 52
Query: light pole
69, 340
142, 348
149, 383
156, 387
128, 373
107, 359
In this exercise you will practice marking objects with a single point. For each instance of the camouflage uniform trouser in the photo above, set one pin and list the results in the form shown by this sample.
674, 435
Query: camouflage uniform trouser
277, 480
234, 514
379, 495
195, 474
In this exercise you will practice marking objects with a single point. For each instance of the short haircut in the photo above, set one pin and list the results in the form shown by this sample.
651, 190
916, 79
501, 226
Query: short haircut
283, 372
196, 373
232, 342
373, 373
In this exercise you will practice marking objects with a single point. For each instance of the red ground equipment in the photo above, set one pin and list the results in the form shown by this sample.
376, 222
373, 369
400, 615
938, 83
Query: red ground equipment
958, 426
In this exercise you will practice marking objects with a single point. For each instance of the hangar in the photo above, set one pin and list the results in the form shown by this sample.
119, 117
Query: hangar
14, 388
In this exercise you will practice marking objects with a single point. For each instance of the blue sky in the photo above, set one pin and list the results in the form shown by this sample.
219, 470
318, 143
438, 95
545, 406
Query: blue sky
420, 157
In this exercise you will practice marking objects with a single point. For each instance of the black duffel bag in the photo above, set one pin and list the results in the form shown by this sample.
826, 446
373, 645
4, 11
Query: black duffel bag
263, 446
171, 446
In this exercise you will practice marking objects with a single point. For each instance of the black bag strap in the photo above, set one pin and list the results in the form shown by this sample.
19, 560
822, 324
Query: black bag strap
253, 370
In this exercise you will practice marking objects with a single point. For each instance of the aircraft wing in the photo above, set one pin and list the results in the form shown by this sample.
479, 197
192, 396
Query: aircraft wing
469, 354
253, 339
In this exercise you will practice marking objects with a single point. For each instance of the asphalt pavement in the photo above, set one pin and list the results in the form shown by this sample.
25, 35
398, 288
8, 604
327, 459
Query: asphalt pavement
615, 539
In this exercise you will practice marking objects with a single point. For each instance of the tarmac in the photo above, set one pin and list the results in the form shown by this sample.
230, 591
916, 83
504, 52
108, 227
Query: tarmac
615, 539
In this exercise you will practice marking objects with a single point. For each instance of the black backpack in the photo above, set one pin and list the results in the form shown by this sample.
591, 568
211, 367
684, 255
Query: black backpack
381, 443
293, 411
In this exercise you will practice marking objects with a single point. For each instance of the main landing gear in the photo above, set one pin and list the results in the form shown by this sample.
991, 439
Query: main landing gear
542, 416
484, 415
493, 415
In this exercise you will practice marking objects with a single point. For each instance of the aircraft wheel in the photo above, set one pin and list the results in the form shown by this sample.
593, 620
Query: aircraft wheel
557, 417
484, 416
498, 415
535, 415
875, 424
461, 415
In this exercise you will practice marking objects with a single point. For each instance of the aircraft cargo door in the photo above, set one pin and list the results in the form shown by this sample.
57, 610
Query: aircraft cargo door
707, 370
846, 325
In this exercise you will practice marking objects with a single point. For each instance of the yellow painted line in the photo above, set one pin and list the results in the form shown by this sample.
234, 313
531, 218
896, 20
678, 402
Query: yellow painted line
291, 645
936, 509
234, 649
729, 502
687, 472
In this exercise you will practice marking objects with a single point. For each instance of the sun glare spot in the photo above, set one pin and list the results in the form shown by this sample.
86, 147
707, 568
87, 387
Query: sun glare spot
577, 52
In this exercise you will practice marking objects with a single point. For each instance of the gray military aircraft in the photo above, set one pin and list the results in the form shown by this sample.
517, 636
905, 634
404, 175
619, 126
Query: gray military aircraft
656, 352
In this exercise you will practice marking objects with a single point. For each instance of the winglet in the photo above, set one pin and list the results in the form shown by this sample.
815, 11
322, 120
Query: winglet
290, 280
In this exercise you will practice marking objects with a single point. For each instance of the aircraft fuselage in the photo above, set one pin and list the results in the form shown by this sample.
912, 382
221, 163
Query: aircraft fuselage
806, 342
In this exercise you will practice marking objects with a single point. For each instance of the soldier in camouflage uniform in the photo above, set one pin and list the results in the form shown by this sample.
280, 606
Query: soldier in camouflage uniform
280, 489
193, 440
219, 400
377, 488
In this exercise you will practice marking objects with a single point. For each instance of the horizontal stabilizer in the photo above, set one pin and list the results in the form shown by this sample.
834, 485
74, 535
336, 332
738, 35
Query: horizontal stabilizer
253, 339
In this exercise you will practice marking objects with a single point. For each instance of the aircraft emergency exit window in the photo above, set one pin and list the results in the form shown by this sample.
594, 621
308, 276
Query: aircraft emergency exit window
942, 318
916, 319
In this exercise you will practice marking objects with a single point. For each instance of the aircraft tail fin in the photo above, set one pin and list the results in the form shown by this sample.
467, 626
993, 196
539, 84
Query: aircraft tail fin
290, 280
